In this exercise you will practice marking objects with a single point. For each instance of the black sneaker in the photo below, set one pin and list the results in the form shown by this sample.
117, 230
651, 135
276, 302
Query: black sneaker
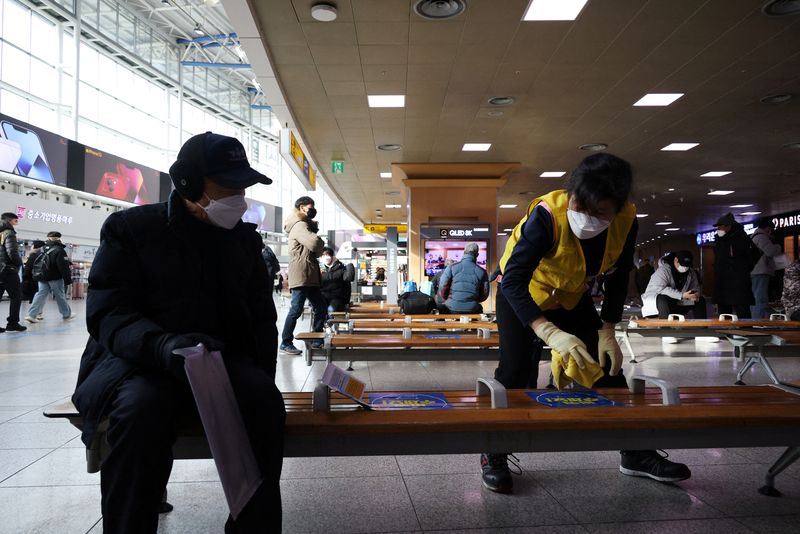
653, 465
15, 327
290, 349
2, 330
496, 474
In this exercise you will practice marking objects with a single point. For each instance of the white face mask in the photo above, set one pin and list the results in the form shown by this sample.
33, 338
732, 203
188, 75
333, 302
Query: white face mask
585, 226
327, 260
225, 212
682, 269
720, 233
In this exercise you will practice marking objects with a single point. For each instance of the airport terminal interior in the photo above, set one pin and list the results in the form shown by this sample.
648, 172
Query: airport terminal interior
423, 132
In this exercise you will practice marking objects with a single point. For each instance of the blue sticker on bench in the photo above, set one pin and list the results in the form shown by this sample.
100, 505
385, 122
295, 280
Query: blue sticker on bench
408, 401
442, 336
572, 399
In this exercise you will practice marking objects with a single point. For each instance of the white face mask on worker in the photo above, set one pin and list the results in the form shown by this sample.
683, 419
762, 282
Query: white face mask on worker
720, 233
585, 226
682, 269
225, 212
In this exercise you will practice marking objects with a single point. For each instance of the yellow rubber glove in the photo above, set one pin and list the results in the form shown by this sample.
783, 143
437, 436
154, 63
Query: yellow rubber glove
607, 345
565, 344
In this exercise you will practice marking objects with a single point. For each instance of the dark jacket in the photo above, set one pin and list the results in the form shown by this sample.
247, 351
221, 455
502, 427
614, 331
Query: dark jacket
29, 285
336, 282
9, 248
464, 285
734, 258
159, 270
58, 266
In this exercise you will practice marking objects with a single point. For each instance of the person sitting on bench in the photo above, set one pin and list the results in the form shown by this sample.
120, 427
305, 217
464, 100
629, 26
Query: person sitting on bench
674, 288
159, 283
566, 237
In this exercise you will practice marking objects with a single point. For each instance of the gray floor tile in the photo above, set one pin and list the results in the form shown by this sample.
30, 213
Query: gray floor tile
61, 509
782, 524
733, 490
339, 467
13, 460
693, 526
549, 529
194, 471
200, 508
694, 457
439, 464
343, 505
609, 495
568, 460
9, 414
62, 467
460, 502
35, 435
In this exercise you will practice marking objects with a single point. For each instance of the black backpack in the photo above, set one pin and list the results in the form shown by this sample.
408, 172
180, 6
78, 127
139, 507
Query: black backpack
42, 266
416, 302
272, 262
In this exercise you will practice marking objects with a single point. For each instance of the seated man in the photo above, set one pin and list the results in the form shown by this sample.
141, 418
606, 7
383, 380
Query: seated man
674, 288
336, 280
162, 281
464, 285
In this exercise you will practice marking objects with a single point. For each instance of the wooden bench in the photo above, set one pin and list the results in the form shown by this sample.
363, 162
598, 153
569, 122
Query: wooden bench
491, 419
377, 326
348, 315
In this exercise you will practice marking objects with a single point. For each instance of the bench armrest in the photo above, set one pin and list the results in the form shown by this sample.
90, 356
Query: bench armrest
669, 391
493, 388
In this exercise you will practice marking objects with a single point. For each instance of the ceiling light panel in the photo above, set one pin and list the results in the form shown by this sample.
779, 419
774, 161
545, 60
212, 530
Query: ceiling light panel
663, 223
742, 206
642, 215
720, 192
476, 147
715, 174
658, 99
553, 10
679, 147
386, 175
391, 206
386, 101
552, 174
508, 206
750, 213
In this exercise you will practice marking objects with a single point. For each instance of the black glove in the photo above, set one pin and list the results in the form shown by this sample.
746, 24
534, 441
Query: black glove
313, 226
167, 343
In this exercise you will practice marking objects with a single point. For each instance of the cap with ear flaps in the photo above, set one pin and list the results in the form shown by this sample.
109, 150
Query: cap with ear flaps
219, 158
726, 220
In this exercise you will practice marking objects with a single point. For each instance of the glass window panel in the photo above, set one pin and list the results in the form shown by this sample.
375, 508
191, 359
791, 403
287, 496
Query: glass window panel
89, 68
14, 105
88, 101
43, 117
108, 75
44, 81
17, 25
45, 43
15, 67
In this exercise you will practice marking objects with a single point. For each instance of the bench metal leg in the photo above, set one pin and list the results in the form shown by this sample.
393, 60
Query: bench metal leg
768, 368
746, 367
753, 359
350, 365
627, 341
787, 458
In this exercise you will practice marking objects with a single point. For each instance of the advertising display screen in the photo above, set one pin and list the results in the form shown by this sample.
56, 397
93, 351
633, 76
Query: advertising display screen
260, 214
438, 251
114, 177
32, 152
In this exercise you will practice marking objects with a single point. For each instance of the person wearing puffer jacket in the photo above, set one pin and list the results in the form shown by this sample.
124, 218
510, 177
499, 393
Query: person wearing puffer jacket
674, 288
764, 269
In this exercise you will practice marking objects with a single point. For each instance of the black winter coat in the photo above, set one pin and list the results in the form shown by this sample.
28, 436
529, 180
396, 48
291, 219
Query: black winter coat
734, 258
29, 285
59, 263
336, 282
159, 270
9, 248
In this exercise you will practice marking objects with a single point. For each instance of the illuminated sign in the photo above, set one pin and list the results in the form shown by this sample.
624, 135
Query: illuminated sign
46, 216
480, 231
786, 221
383, 228
297, 159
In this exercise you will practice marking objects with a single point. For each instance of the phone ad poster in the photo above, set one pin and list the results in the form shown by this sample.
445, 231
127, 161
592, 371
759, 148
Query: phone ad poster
114, 177
260, 214
32, 152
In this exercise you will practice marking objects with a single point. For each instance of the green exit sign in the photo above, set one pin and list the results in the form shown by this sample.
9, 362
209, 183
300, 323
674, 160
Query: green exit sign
337, 167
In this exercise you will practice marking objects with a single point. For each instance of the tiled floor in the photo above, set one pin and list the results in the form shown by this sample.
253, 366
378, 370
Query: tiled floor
44, 487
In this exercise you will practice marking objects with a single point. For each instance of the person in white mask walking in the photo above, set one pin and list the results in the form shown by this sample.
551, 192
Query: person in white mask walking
567, 238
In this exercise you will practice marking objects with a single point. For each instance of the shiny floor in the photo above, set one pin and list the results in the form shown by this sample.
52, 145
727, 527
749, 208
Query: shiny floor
44, 487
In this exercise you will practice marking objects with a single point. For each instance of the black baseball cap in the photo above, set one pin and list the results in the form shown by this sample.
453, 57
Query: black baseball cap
685, 258
222, 160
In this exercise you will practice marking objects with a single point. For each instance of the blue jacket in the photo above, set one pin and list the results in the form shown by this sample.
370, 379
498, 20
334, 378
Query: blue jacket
464, 285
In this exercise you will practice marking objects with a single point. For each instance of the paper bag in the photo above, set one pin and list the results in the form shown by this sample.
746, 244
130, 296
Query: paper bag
222, 421
781, 261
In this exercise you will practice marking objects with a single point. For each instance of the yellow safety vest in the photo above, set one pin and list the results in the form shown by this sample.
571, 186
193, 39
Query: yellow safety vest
560, 278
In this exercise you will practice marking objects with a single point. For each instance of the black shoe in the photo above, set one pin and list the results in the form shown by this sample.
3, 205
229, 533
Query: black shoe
653, 465
496, 474
2, 330
15, 327
290, 349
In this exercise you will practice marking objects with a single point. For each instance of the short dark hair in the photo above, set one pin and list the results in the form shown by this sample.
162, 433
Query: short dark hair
37, 243
55, 234
601, 177
303, 201
766, 223
7, 216
328, 250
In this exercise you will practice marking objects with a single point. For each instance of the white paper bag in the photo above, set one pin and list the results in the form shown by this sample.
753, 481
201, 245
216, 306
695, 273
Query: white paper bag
224, 426
781, 261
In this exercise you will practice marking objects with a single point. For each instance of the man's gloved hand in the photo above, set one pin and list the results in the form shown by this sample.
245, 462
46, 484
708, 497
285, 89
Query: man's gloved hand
313, 226
565, 344
166, 344
607, 345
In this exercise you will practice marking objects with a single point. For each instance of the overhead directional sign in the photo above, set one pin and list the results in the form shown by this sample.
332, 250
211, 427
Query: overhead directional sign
293, 153
381, 228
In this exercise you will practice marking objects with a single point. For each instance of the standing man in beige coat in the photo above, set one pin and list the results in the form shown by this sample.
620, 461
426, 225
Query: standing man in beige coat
305, 247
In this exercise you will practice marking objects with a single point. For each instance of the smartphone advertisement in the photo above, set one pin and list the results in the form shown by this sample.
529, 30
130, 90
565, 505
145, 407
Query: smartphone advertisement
113, 177
260, 214
31, 152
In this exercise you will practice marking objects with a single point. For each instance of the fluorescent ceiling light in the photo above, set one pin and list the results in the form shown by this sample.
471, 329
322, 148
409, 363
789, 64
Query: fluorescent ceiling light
742, 206
552, 174
714, 174
476, 147
554, 9
671, 229
500, 233
642, 215
386, 101
721, 192
386, 175
508, 205
392, 205
750, 213
663, 223
658, 99
671, 189
680, 147
508, 229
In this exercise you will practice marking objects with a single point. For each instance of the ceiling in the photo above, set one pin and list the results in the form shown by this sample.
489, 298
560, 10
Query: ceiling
573, 82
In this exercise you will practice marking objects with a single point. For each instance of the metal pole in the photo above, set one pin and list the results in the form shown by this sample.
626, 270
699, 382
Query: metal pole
391, 265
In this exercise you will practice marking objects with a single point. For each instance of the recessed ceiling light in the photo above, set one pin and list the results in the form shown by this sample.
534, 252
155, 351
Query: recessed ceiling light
553, 9
750, 213
721, 192
386, 175
642, 215
671, 229
508, 206
741, 205
386, 101
658, 99
552, 174
662, 223
671, 189
323, 12
476, 147
593, 147
715, 174
389, 147
501, 100
439, 9
392, 206
679, 147
776, 99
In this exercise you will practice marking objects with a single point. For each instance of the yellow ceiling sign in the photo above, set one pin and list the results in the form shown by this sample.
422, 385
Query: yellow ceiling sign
382, 228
